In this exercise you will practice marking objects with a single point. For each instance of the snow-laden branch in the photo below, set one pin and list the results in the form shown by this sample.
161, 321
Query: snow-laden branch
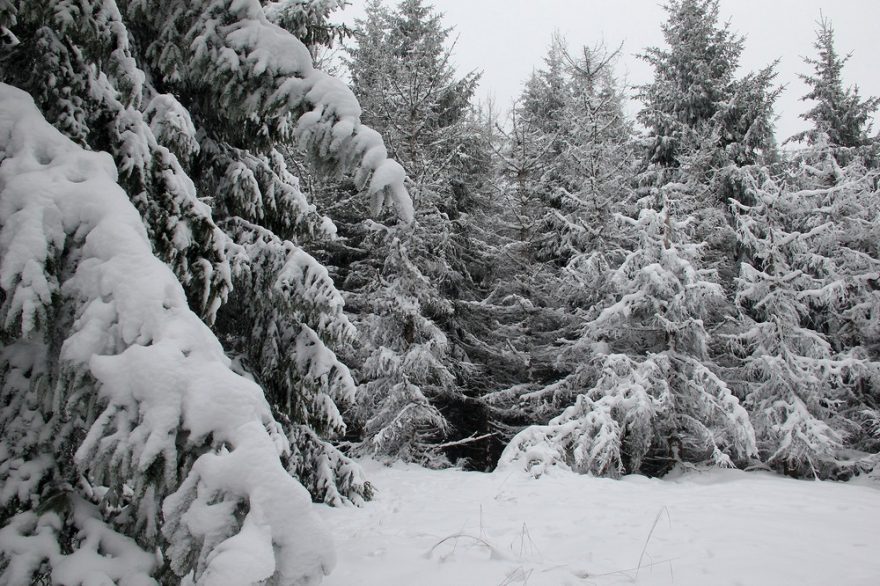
229, 45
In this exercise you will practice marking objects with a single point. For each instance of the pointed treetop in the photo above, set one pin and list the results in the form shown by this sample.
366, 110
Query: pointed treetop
839, 113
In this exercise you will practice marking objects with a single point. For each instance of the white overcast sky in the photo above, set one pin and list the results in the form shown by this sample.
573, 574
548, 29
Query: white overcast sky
507, 39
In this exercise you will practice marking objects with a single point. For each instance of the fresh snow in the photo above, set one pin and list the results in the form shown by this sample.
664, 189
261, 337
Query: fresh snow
715, 527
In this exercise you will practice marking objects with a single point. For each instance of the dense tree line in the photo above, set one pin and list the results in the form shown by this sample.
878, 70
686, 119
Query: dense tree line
642, 297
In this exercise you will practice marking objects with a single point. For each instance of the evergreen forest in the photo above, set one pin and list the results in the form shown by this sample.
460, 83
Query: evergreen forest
244, 247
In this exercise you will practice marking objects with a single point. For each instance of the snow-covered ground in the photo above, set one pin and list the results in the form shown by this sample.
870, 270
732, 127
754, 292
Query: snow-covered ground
428, 528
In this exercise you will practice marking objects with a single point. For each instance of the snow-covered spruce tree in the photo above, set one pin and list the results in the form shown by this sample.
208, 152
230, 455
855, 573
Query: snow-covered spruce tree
403, 77
228, 91
839, 115
406, 372
840, 204
523, 299
700, 118
841, 201
806, 395
566, 254
536, 146
835, 175
184, 165
283, 318
567, 148
647, 399
130, 451
823, 212
703, 122
692, 77
694, 101
598, 161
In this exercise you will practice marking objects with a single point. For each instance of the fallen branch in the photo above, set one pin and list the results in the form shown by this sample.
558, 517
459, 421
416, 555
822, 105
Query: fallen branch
467, 440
